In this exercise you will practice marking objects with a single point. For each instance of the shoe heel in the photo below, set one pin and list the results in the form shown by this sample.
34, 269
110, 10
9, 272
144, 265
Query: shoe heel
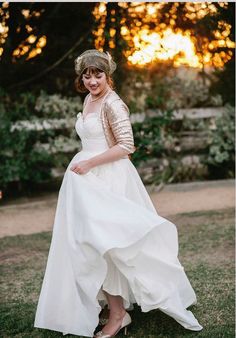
125, 331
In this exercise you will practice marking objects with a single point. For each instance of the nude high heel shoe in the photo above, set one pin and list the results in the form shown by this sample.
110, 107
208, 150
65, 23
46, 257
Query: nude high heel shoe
125, 322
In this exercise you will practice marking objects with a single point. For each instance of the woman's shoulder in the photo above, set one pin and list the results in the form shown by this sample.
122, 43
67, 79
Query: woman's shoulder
112, 97
86, 99
113, 100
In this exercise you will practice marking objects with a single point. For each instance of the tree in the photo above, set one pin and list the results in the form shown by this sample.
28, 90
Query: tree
204, 28
67, 27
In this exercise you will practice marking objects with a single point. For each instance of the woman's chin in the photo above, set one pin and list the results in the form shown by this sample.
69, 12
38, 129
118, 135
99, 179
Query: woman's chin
95, 92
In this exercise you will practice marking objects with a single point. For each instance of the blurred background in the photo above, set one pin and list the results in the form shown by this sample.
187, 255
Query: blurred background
176, 72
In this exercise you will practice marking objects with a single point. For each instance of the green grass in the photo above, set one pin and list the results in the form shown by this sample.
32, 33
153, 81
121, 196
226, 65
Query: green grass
206, 241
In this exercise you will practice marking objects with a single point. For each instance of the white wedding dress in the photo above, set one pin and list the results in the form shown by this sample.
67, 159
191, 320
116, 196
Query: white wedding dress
108, 236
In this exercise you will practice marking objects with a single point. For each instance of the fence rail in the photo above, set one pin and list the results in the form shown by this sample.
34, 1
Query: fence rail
193, 113
191, 143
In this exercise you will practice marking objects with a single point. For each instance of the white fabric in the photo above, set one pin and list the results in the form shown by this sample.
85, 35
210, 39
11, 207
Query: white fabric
108, 235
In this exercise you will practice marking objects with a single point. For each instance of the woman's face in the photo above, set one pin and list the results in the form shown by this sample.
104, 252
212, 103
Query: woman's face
95, 82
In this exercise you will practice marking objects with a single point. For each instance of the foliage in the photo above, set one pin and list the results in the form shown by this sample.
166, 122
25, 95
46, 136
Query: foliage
221, 144
53, 71
50, 69
168, 89
19, 107
20, 160
27, 153
187, 92
158, 98
185, 150
224, 84
57, 106
150, 136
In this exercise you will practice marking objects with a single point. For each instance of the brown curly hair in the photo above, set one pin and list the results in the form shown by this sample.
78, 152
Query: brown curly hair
79, 85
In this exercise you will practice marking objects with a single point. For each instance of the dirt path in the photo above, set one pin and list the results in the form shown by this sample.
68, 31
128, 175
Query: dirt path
26, 216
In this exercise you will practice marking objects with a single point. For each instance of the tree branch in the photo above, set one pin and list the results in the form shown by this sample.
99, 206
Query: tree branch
50, 68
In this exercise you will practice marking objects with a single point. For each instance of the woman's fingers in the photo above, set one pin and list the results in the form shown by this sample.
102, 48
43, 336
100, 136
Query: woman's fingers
80, 168
74, 166
76, 169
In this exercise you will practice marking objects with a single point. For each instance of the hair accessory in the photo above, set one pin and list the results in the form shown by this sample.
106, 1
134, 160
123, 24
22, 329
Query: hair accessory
95, 58
109, 57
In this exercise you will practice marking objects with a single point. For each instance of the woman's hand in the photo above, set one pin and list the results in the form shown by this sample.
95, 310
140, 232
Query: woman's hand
81, 167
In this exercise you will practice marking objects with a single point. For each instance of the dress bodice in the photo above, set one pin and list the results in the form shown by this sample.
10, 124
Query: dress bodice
91, 132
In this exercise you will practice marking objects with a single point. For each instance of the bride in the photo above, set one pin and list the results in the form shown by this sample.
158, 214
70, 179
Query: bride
109, 246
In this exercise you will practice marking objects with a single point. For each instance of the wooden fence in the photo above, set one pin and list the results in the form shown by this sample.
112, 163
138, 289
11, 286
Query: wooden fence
190, 143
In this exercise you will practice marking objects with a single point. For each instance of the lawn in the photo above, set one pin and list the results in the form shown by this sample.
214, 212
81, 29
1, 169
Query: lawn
206, 241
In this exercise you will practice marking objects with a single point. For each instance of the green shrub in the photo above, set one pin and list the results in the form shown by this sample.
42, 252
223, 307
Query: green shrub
57, 106
150, 136
221, 143
21, 160
24, 159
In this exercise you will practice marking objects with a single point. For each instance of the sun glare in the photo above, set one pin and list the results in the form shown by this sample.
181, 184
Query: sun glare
151, 46
144, 44
165, 42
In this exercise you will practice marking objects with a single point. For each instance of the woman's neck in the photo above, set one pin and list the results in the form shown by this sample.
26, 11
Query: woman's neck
103, 92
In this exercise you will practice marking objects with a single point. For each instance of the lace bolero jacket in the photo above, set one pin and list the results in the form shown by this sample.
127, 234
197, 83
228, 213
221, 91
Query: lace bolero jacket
116, 122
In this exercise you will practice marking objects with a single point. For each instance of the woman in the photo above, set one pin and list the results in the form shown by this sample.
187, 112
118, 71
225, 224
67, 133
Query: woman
109, 246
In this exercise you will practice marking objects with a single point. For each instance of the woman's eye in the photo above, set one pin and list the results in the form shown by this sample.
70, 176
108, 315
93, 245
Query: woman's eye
98, 77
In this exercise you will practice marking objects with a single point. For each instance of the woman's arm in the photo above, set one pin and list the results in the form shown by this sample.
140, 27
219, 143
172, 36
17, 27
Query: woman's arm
118, 116
119, 122
112, 154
